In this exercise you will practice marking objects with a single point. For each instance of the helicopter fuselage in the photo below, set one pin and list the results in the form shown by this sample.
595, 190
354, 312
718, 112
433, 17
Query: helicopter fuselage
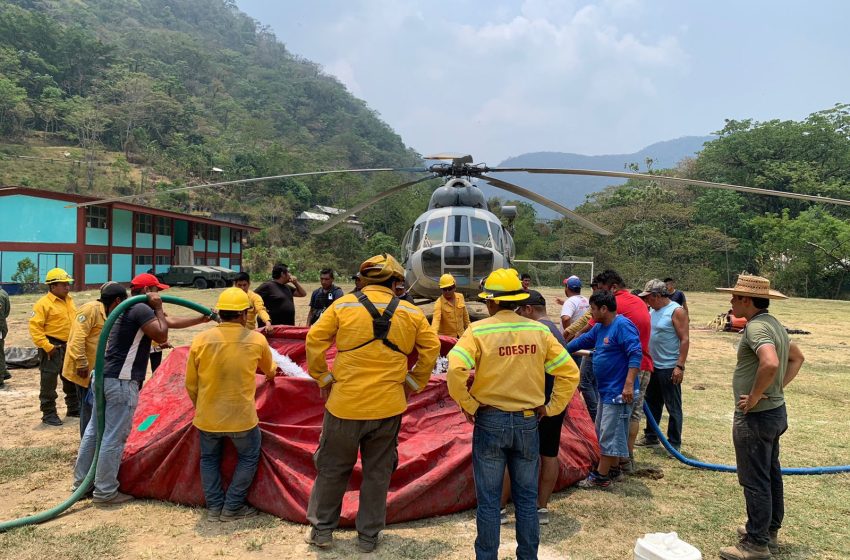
466, 240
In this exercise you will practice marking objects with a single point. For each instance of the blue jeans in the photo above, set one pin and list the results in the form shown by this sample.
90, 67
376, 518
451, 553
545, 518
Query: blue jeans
588, 386
247, 446
122, 397
85, 409
500, 439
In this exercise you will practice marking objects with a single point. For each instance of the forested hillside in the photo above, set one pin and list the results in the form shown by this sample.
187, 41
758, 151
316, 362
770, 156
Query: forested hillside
156, 92
706, 237
148, 94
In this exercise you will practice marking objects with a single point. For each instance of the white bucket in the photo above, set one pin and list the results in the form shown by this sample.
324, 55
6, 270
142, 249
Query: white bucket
665, 546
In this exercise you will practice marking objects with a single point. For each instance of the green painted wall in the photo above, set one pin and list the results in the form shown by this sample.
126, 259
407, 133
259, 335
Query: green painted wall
122, 229
37, 220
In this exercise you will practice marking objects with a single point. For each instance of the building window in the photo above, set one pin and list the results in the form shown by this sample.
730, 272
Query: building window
144, 259
199, 232
96, 217
213, 233
212, 262
236, 236
163, 226
199, 260
163, 260
96, 258
144, 223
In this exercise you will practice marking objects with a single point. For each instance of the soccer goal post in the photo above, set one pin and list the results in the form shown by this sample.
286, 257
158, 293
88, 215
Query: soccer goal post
552, 273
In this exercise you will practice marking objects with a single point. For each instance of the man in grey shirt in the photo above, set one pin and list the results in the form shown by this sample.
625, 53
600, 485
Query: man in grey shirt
767, 362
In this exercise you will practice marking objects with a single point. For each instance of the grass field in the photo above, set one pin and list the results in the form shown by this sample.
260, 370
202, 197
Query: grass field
703, 507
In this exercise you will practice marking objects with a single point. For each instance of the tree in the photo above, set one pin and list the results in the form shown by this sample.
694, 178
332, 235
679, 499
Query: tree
12, 104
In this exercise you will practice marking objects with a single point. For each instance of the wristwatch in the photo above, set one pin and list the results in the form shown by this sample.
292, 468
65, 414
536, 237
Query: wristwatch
680, 366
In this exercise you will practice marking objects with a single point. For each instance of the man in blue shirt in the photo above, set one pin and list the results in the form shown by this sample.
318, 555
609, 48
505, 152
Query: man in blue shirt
616, 362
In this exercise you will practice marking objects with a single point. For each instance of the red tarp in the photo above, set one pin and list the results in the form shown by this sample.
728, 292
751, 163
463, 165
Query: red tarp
434, 474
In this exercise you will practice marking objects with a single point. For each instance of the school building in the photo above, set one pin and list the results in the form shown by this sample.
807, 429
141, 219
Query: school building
110, 241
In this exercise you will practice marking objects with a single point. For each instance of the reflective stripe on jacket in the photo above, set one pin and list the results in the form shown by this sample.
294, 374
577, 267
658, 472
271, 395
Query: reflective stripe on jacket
510, 355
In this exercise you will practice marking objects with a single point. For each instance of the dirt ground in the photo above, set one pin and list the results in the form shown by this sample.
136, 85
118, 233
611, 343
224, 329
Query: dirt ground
704, 507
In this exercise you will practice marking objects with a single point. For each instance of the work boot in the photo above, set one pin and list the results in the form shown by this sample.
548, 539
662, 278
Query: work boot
322, 540
73, 414
367, 544
647, 442
51, 419
745, 550
113, 500
243, 512
213, 514
773, 540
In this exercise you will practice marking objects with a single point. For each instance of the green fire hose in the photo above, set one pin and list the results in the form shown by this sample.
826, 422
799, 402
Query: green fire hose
100, 412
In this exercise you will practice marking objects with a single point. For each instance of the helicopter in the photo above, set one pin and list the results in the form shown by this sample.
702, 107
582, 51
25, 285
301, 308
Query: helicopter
458, 234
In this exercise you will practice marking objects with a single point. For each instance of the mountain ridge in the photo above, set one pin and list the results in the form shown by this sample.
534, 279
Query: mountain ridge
664, 154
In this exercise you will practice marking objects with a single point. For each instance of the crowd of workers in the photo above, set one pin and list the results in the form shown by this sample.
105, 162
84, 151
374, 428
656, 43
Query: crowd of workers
525, 369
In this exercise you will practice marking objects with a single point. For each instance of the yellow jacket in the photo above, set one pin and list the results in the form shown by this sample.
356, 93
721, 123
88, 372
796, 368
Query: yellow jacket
576, 327
510, 355
368, 383
221, 380
257, 309
82, 344
51, 317
450, 318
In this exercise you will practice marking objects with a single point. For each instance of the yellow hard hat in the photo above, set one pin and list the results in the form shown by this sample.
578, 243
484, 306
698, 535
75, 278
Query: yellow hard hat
447, 281
503, 285
233, 299
55, 275
379, 269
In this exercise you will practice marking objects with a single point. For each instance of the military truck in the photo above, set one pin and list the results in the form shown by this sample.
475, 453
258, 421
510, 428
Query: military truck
199, 276
226, 273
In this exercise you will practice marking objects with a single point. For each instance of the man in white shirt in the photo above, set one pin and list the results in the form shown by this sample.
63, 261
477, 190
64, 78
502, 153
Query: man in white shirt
576, 304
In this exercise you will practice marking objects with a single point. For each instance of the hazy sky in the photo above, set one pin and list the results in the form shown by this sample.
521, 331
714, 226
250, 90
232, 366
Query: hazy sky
504, 77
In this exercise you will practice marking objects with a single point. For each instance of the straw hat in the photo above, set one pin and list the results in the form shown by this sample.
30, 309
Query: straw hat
753, 286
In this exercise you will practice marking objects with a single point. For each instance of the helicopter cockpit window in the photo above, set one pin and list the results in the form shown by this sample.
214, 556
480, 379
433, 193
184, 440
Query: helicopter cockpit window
434, 233
458, 230
480, 233
415, 238
405, 245
496, 231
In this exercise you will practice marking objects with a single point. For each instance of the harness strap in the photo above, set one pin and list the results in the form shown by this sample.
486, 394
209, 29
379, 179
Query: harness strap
380, 323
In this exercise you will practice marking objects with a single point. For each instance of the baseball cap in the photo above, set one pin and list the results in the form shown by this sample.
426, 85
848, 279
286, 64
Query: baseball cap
535, 298
573, 283
654, 286
112, 290
147, 280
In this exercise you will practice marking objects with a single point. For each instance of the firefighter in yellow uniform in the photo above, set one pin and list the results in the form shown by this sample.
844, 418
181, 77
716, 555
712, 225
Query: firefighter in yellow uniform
258, 308
221, 381
50, 326
450, 315
510, 355
366, 395
82, 343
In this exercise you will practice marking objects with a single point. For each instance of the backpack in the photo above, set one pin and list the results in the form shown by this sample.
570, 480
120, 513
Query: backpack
380, 323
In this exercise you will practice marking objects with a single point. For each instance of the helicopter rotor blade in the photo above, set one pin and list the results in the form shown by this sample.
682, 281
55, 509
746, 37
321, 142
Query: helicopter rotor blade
675, 181
246, 182
336, 220
566, 212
